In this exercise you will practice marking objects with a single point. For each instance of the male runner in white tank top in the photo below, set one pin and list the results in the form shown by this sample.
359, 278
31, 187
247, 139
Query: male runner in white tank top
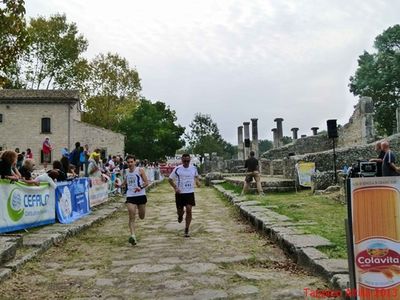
136, 182
182, 179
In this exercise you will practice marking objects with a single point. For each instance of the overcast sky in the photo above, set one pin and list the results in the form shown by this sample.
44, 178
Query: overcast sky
237, 59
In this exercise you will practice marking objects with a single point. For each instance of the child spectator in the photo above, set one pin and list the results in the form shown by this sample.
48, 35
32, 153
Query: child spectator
26, 172
57, 173
20, 160
29, 154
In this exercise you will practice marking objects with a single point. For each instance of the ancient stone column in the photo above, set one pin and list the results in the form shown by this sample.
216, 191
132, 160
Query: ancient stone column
275, 136
240, 143
314, 130
246, 139
254, 137
367, 120
294, 131
279, 130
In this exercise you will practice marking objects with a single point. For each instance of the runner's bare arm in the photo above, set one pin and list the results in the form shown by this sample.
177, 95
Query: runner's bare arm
144, 177
197, 179
172, 183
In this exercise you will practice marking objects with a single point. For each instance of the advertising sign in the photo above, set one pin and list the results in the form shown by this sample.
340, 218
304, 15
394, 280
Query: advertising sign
304, 172
375, 222
98, 191
72, 200
24, 206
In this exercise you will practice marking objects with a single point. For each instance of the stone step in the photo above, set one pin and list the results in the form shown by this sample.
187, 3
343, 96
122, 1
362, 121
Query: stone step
8, 247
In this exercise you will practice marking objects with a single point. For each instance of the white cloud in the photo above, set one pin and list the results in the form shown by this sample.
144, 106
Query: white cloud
237, 59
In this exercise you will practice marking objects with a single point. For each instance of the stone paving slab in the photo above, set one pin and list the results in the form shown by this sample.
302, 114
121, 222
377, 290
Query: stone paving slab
19, 262
99, 263
301, 247
305, 240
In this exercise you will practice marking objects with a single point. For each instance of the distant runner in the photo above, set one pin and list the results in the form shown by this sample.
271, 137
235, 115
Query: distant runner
136, 182
182, 179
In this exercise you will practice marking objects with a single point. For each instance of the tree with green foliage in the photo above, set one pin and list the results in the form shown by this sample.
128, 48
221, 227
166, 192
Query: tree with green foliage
53, 58
378, 77
286, 140
228, 150
204, 136
13, 36
151, 131
111, 75
264, 146
111, 91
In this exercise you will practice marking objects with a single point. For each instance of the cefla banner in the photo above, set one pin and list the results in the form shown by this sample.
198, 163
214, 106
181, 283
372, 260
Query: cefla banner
24, 206
72, 200
304, 172
375, 224
98, 191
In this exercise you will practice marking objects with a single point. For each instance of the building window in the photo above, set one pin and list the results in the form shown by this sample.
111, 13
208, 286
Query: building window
46, 128
1, 118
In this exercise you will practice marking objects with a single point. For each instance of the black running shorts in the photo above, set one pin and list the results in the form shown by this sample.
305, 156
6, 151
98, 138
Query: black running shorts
182, 200
138, 200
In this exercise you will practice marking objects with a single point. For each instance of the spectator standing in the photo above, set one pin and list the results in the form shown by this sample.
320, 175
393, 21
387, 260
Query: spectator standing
87, 155
94, 168
252, 168
111, 163
74, 156
379, 159
388, 163
46, 150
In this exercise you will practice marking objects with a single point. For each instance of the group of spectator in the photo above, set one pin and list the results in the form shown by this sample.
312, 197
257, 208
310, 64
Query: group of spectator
78, 162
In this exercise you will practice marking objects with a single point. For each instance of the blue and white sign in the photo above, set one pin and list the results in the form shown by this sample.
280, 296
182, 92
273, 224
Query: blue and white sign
72, 200
24, 206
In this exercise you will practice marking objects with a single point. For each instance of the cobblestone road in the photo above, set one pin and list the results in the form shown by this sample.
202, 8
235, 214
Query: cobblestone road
224, 258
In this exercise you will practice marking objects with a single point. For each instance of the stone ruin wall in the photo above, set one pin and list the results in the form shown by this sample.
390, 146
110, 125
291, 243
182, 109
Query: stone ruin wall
311, 144
355, 142
345, 156
358, 131
360, 128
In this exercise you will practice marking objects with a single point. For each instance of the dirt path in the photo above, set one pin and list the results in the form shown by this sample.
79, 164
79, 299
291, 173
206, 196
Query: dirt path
224, 258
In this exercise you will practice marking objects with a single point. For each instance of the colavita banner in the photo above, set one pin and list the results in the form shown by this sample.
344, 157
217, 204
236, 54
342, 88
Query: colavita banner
72, 200
374, 213
304, 172
98, 191
24, 206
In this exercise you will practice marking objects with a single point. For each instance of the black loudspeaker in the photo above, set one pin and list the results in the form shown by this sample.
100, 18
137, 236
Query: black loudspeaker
247, 143
332, 129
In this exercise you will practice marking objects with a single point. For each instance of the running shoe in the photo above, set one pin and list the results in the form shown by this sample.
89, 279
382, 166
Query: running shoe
180, 218
132, 240
186, 233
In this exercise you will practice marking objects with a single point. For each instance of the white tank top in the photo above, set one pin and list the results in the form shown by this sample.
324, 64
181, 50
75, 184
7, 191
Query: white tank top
134, 181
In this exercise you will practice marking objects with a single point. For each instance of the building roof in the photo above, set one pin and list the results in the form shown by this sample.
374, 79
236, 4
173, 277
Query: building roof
38, 96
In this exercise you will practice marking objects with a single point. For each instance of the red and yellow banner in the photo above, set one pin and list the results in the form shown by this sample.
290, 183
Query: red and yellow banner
375, 219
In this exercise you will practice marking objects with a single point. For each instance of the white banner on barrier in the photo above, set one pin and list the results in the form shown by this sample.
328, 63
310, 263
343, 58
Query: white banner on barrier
23, 206
98, 191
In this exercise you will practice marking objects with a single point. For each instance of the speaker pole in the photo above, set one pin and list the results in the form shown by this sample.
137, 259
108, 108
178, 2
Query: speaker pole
334, 161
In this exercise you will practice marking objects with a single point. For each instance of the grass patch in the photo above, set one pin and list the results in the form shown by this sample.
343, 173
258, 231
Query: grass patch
232, 187
327, 214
